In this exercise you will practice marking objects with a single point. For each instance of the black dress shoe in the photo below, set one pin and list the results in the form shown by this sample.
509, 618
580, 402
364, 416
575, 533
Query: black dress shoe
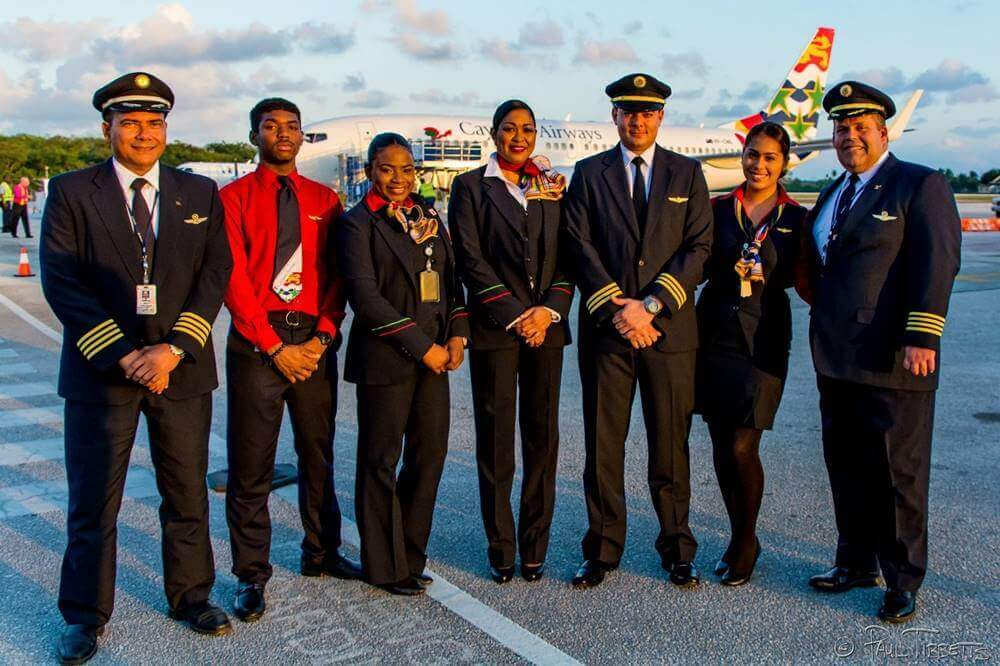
78, 643
501, 575
591, 573
532, 572
423, 580
898, 606
337, 566
683, 574
408, 587
204, 618
721, 567
249, 605
841, 579
732, 578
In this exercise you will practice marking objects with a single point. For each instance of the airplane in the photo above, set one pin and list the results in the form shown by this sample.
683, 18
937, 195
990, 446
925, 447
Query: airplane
446, 145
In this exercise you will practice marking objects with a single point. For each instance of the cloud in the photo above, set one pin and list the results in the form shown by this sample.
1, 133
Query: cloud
686, 64
687, 93
323, 38
353, 83
980, 92
407, 16
39, 41
962, 83
438, 97
594, 52
501, 51
677, 119
984, 131
370, 99
949, 75
887, 79
266, 81
738, 110
545, 34
421, 50
633, 27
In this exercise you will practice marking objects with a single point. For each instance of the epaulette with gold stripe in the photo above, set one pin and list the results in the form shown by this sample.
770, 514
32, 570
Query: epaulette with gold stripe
925, 322
602, 296
673, 287
194, 325
99, 338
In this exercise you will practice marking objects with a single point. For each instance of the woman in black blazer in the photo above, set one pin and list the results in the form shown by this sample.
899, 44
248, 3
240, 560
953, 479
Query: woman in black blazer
409, 330
505, 218
745, 331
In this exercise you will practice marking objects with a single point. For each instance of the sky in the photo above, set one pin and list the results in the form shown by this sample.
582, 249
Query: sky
724, 60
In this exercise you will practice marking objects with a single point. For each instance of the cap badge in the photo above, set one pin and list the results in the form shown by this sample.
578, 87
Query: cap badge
141, 81
846, 90
639, 82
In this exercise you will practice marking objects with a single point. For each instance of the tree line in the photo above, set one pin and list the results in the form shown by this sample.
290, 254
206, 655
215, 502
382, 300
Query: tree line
29, 155
961, 183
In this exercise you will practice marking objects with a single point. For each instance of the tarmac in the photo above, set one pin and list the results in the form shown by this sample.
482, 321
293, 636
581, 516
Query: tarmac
636, 616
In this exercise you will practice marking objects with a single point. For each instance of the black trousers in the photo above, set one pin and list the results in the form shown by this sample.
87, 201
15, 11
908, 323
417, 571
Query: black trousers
19, 213
6, 212
257, 395
877, 445
99, 441
666, 386
496, 375
394, 513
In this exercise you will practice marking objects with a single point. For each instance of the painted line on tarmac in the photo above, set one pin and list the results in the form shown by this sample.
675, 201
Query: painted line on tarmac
31, 416
31, 320
17, 369
36, 450
45, 496
29, 390
8, 353
505, 631
502, 629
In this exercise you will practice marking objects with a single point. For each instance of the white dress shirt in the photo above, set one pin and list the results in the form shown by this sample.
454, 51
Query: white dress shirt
149, 190
824, 221
647, 166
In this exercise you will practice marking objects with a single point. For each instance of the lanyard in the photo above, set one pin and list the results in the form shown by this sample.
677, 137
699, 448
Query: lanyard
142, 239
758, 234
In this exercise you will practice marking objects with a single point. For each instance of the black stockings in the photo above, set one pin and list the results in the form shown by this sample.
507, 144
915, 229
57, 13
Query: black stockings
736, 454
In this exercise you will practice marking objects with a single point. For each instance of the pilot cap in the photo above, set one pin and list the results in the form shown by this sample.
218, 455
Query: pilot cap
638, 92
853, 98
138, 91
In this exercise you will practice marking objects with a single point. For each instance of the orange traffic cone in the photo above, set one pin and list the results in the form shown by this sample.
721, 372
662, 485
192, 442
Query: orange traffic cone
24, 266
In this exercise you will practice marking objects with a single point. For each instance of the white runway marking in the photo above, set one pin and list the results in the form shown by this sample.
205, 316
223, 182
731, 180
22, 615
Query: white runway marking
29, 390
505, 631
37, 450
13, 418
141, 483
45, 496
17, 369
8, 353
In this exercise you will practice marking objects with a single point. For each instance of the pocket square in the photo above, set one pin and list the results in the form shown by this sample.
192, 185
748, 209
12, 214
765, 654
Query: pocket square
677, 199
884, 216
195, 219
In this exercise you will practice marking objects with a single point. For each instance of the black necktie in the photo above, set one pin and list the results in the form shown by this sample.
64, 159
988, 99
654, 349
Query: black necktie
844, 203
142, 217
289, 234
639, 193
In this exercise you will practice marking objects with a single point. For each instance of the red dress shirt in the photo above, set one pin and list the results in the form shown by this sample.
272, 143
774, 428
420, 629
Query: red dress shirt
251, 205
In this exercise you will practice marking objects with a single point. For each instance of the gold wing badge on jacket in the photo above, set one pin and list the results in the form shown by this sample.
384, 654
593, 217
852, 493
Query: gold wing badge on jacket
194, 219
677, 200
884, 216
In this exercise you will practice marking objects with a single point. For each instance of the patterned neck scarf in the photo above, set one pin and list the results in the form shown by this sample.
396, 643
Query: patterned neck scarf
537, 179
750, 265
418, 222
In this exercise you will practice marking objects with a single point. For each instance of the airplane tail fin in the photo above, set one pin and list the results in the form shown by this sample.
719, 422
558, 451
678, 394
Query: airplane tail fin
900, 122
798, 102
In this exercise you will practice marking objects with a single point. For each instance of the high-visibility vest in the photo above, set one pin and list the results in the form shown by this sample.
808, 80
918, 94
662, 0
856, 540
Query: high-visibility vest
6, 194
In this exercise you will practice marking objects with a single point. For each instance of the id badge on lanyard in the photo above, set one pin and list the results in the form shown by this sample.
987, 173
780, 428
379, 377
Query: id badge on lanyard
145, 293
430, 279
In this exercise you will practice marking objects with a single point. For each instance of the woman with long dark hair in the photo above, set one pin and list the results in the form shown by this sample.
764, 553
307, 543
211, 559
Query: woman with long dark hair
745, 331
409, 331
505, 218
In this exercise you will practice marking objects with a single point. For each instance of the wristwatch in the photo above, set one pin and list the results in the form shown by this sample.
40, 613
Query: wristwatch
324, 338
652, 305
177, 351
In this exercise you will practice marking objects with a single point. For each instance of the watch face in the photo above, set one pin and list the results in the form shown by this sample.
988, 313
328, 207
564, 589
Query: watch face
652, 306
324, 338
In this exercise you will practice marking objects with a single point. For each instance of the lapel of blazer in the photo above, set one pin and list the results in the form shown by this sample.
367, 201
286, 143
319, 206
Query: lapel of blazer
869, 196
171, 207
110, 203
510, 210
658, 187
394, 241
814, 212
614, 175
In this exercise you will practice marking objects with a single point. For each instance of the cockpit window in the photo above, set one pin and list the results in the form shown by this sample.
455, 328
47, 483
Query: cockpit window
315, 137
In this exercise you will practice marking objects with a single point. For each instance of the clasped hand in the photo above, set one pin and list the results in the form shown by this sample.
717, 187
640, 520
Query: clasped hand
533, 324
150, 366
440, 359
298, 362
635, 324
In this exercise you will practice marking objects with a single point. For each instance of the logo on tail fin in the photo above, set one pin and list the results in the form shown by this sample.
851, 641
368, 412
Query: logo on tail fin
797, 103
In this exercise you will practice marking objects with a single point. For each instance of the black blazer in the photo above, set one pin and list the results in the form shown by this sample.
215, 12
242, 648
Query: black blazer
488, 226
91, 263
388, 338
765, 317
609, 257
887, 279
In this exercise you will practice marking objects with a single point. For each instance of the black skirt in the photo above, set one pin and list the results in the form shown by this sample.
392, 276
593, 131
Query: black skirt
730, 388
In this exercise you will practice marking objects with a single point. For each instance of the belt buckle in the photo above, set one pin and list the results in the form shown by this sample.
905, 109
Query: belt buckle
292, 318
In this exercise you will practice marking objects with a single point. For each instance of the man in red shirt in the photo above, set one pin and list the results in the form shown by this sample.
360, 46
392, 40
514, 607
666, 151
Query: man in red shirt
287, 303
19, 212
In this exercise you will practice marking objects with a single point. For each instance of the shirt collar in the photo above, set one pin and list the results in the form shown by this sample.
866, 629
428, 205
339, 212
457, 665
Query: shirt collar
267, 176
376, 202
493, 168
125, 177
647, 155
783, 197
863, 178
